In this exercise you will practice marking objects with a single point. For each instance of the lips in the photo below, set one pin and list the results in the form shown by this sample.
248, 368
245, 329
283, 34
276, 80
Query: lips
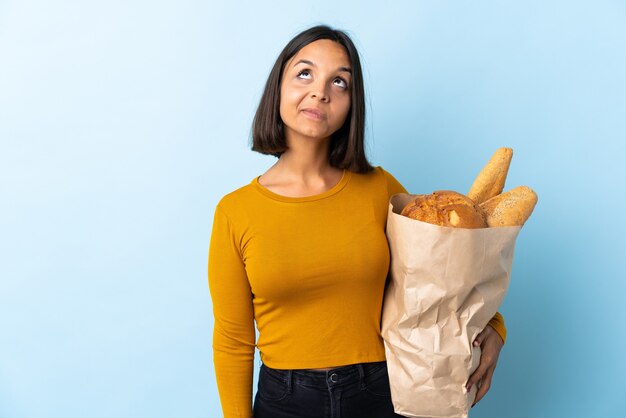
314, 113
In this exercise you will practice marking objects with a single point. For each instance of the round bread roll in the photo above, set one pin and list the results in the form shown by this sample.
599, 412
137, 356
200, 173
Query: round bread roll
445, 208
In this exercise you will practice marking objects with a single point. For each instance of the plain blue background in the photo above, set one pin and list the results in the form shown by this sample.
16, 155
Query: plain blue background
122, 123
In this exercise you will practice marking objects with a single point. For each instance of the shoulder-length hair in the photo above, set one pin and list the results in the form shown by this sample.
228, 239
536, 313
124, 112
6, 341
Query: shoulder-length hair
347, 147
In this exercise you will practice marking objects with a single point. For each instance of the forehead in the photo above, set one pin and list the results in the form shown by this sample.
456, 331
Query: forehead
322, 52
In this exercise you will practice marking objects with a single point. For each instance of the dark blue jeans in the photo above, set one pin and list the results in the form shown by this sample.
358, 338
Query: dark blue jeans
359, 390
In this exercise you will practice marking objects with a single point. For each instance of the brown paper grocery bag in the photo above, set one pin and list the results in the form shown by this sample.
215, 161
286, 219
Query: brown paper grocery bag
446, 284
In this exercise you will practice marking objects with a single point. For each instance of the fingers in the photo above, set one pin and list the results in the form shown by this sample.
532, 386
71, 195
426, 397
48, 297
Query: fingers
489, 356
482, 335
484, 364
477, 375
485, 384
479, 339
491, 344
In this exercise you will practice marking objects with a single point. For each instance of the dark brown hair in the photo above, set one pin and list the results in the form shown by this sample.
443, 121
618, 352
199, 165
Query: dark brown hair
347, 147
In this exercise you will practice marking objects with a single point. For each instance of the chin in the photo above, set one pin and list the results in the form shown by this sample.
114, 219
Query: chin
318, 137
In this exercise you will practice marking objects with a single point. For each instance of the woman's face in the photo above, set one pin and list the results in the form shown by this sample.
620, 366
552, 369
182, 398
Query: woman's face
315, 91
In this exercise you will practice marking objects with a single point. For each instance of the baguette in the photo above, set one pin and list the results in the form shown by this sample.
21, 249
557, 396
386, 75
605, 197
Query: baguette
510, 208
490, 181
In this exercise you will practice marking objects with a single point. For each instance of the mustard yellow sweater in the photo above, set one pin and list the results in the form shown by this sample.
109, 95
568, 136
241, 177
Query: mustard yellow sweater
310, 271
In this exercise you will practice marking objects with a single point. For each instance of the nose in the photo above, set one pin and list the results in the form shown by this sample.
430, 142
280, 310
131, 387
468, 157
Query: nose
319, 95
318, 91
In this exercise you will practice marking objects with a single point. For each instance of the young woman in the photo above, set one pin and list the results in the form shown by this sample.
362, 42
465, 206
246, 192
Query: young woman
302, 250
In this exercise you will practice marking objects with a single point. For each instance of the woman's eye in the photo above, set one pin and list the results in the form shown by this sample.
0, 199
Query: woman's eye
341, 83
304, 74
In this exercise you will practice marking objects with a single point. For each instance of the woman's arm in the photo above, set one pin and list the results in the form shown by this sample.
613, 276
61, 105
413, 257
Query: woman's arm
233, 332
497, 323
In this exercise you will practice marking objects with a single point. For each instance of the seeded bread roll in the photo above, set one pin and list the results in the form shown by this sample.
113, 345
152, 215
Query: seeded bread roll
510, 208
445, 208
490, 181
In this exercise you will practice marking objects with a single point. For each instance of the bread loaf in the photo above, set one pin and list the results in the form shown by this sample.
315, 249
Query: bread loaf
510, 208
445, 208
484, 206
490, 181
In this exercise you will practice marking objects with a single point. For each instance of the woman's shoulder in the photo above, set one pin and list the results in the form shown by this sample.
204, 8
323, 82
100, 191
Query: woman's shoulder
392, 183
378, 180
236, 198
382, 171
377, 172
381, 174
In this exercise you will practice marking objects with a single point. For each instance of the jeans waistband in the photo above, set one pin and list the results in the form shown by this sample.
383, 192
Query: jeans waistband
324, 378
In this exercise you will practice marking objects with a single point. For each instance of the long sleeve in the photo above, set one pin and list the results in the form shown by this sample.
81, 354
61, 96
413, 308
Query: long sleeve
497, 322
233, 332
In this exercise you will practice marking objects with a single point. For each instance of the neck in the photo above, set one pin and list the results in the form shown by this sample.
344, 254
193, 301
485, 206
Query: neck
306, 160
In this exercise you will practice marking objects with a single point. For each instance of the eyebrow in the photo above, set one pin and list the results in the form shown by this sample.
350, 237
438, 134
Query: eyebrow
345, 69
